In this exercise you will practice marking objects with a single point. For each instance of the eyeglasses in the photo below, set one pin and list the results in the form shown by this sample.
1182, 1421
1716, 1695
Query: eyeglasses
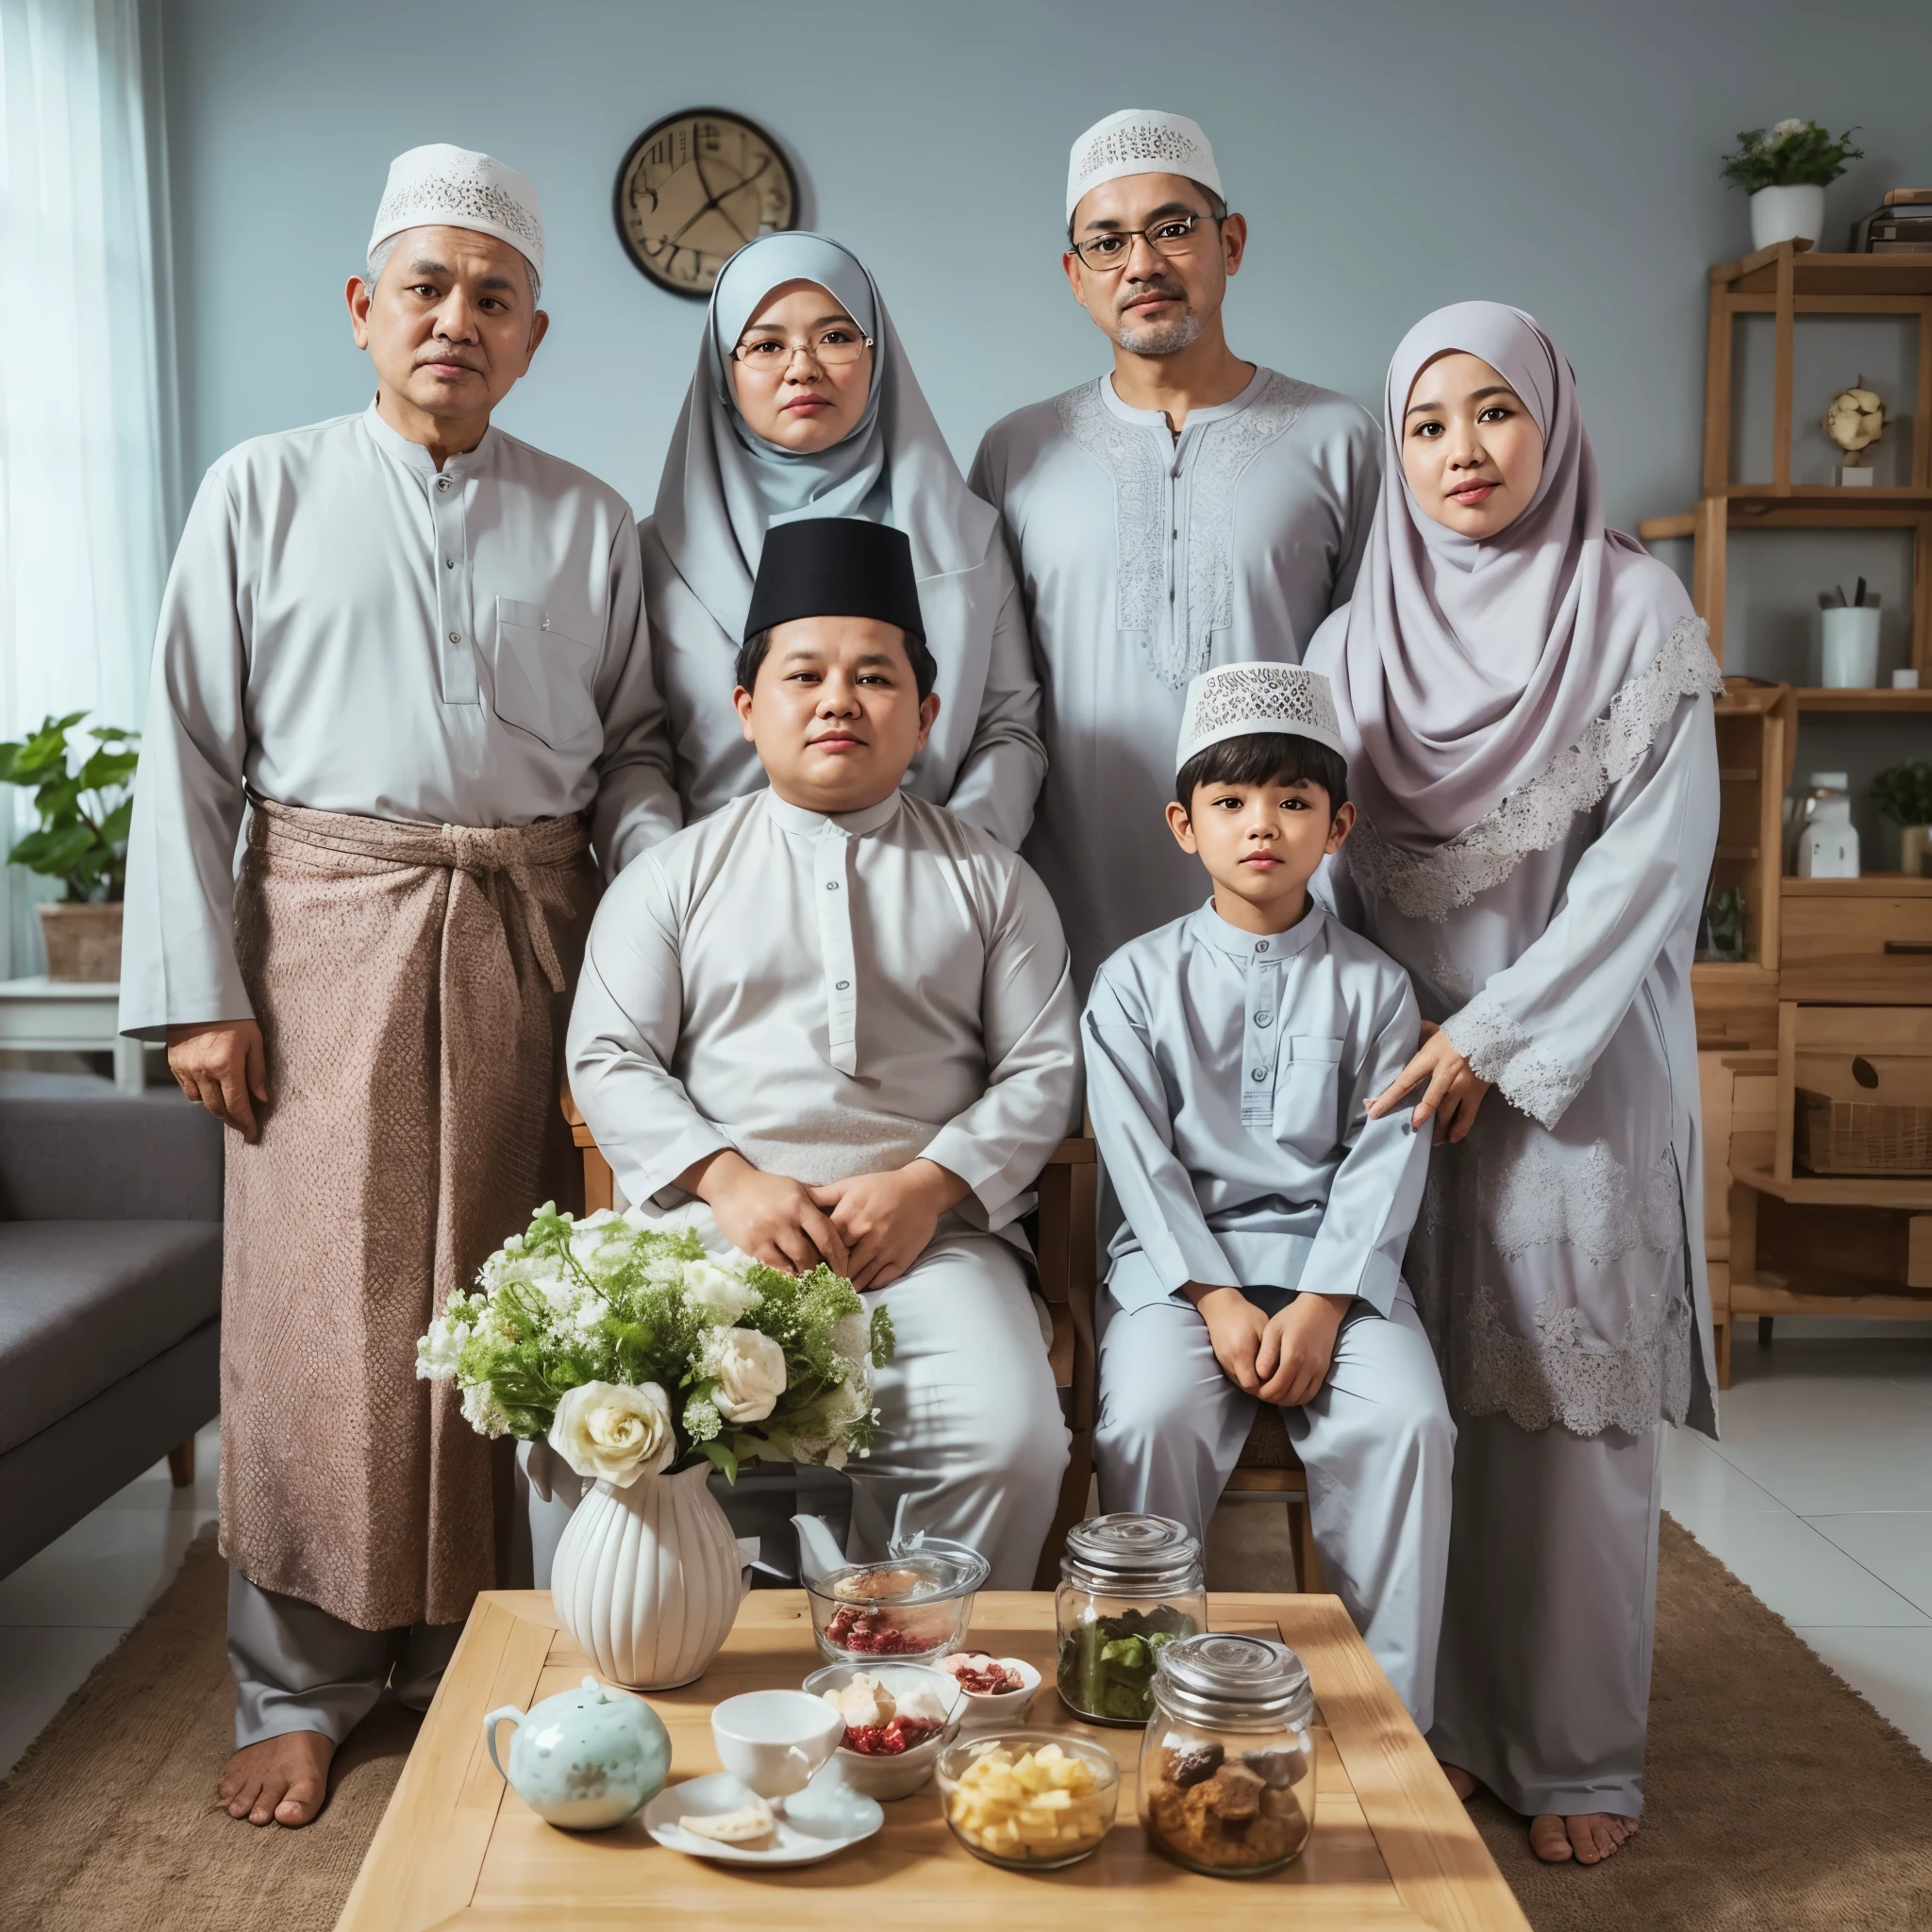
1108, 251
836, 347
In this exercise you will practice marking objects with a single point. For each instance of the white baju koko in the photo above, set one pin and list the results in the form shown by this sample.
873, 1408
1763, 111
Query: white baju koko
837, 996
1144, 559
1226, 1075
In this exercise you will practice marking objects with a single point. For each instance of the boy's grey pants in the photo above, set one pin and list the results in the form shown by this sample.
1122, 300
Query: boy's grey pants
1376, 1442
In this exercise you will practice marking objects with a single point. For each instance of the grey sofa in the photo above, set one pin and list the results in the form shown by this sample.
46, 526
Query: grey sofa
110, 1293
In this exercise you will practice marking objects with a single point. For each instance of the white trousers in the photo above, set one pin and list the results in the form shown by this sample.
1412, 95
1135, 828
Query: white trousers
1545, 1687
297, 1668
1376, 1442
970, 1444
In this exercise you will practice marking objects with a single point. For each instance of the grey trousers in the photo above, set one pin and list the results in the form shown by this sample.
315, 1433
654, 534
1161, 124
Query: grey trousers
1376, 1442
299, 1669
1543, 1692
971, 1445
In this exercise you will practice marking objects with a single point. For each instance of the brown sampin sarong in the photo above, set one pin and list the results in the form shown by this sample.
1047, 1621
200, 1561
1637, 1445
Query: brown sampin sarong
412, 982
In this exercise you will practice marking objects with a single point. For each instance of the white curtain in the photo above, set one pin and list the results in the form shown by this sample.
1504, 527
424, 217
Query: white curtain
86, 425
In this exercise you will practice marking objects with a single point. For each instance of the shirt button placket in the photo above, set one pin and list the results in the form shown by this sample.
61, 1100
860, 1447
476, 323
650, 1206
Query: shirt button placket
834, 872
1259, 1043
458, 641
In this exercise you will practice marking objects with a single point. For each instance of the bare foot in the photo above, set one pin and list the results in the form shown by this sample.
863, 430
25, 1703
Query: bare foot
1461, 1781
280, 1781
1590, 1838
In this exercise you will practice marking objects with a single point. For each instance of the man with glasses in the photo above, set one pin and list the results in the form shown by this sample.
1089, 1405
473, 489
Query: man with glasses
1189, 510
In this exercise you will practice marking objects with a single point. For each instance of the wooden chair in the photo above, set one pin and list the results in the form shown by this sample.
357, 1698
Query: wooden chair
1068, 1281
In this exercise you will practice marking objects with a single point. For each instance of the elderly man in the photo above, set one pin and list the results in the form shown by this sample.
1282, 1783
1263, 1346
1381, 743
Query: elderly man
413, 646
1191, 509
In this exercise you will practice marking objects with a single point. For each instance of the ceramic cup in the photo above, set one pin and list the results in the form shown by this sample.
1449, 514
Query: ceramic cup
1850, 647
773, 1741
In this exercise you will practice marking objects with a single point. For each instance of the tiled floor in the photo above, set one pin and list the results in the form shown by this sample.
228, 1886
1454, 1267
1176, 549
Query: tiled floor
1818, 1497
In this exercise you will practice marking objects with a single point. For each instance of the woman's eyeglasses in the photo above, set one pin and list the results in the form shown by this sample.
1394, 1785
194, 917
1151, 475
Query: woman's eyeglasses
1108, 251
831, 348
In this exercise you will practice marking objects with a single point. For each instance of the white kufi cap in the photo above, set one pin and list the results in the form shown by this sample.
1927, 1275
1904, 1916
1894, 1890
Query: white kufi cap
445, 186
1240, 700
1139, 140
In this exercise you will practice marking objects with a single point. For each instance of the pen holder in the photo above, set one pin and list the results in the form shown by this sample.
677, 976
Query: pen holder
1851, 646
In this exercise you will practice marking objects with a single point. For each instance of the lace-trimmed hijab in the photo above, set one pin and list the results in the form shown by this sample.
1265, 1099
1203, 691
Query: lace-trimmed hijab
724, 485
1489, 689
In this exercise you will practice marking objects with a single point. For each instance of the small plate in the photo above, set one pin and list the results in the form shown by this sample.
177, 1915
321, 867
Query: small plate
821, 1820
979, 1708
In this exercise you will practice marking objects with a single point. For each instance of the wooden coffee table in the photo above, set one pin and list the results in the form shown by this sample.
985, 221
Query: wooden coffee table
1391, 1847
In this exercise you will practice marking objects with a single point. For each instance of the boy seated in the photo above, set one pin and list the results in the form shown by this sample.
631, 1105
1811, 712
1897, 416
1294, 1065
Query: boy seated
832, 1022
1229, 1059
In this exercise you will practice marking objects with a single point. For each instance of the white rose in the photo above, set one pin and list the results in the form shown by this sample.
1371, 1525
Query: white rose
604, 1430
751, 1376
1785, 128
717, 1294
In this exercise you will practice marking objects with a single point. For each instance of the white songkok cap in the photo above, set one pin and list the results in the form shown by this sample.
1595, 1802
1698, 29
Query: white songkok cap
445, 186
1240, 700
1139, 140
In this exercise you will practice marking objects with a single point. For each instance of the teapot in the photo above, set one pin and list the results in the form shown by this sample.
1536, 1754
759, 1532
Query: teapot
585, 1760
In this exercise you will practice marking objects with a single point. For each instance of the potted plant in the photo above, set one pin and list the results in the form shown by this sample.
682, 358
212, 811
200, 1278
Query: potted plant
81, 839
1904, 794
1784, 170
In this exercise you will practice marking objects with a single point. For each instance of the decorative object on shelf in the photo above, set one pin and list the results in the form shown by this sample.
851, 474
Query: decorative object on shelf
694, 189
1854, 419
84, 812
579, 1332
1826, 845
1850, 656
585, 1760
1901, 226
1723, 927
1785, 170
1905, 680
1904, 794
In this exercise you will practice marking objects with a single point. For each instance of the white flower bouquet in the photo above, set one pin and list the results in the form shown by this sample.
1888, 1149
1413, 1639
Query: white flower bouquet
634, 1352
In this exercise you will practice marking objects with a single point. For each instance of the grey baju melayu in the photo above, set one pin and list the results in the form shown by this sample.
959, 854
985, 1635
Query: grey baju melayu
1228, 1075
1558, 1260
1144, 559
839, 996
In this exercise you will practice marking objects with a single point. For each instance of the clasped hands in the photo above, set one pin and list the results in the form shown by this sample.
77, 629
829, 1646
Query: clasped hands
870, 1229
1283, 1359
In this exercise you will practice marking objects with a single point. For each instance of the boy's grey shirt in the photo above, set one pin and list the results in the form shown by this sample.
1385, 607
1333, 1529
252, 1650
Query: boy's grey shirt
1228, 1075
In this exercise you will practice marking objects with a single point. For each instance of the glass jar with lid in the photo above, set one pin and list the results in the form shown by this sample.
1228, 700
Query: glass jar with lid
1129, 1587
1227, 1767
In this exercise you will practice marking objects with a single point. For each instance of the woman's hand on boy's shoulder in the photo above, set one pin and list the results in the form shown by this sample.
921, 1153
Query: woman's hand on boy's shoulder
1452, 1094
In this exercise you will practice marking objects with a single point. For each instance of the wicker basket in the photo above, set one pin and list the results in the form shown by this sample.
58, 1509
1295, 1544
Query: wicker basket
1861, 1136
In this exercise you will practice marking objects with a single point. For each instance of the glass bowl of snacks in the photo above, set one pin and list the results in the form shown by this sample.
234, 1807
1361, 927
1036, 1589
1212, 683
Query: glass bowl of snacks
1227, 1765
898, 1719
998, 1689
1031, 1800
910, 1608
1130, 1585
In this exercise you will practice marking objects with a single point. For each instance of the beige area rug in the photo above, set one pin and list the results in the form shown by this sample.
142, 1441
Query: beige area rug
1779, 1800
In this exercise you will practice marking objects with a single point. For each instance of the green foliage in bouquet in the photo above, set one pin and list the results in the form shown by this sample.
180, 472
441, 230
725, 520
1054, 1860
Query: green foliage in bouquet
1794, 153
682, 1357
84, 812
1904, 793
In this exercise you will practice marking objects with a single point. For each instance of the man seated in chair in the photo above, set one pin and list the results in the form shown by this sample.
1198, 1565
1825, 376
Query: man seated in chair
1230, 1057
832, 1022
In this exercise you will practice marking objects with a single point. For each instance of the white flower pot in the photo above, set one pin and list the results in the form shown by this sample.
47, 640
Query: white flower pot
1785, 214
647, 1579
1850, 657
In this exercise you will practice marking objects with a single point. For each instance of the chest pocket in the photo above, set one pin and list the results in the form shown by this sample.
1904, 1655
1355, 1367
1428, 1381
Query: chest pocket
541, 678
1307, 1096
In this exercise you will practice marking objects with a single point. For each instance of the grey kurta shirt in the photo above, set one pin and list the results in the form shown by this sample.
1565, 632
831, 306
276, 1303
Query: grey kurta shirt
349, 629
829, 996
983, 761
1228, 1075
1143, 561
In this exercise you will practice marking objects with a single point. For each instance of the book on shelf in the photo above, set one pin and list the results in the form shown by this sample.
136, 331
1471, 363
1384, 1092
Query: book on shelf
1898, 229
1908, 197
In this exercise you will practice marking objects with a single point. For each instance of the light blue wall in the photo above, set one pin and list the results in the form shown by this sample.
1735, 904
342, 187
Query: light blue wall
1390, 154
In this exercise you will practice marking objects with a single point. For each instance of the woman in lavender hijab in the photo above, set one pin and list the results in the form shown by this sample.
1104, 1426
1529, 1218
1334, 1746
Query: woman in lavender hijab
1526, 700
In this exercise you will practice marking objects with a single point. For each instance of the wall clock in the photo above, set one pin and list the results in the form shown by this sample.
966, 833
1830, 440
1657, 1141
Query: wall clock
694, 189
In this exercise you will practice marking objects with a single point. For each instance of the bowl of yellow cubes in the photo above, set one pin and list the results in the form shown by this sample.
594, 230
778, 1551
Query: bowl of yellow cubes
1031, 1800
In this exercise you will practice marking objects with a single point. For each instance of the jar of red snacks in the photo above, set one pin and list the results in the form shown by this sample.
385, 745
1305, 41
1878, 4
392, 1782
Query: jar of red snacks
1227, 1764
907, 1609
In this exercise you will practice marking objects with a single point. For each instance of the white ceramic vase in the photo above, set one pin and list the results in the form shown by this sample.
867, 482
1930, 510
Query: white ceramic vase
1784, 214
647, 1579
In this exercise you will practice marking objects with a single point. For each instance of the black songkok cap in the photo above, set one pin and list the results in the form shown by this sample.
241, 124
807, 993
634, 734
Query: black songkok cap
835, 567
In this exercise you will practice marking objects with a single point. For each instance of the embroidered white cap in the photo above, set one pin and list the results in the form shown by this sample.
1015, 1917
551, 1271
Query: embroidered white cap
1139, 140
445, 186
1240, 700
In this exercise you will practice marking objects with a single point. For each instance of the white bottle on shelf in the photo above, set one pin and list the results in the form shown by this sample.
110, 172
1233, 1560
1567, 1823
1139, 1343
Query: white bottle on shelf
1827, 842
